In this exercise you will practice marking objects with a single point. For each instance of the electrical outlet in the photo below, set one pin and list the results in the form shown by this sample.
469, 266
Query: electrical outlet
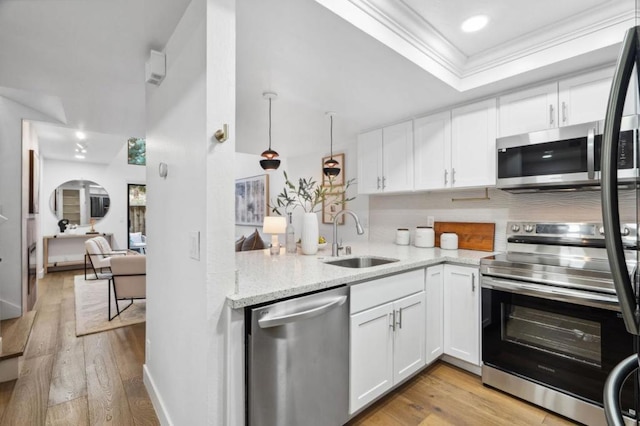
430, 221
194, 245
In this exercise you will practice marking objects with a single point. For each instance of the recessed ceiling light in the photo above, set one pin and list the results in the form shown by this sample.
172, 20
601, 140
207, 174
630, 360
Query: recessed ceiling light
475, 23
81, 135
79, 156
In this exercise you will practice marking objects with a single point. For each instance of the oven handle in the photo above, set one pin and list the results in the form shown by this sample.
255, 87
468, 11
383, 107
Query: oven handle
553, 293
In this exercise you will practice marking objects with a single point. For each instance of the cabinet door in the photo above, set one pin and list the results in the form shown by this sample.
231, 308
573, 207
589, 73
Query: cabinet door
370, 162
397, 158
408, 344
462, 313
371, 361
432, 151
528, 110
473, 145
434, 313
584, 98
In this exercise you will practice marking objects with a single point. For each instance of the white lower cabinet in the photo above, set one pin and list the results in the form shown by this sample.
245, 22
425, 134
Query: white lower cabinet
462, 313
434, 295
387, 335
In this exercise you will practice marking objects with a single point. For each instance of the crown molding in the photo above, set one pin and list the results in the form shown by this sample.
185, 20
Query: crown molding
395, 24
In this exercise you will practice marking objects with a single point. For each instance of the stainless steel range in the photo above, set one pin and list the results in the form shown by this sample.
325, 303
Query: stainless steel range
552, 327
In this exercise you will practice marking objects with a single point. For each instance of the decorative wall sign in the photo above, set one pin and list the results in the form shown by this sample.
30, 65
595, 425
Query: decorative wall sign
337, 180
331, 205
252, 195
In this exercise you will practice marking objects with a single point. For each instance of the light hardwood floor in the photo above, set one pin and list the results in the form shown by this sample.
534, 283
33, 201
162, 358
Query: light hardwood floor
97, 380
69, 380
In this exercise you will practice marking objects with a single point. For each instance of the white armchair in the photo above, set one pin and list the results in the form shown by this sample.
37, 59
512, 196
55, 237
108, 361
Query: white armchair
128, 281
99, 254
138, 242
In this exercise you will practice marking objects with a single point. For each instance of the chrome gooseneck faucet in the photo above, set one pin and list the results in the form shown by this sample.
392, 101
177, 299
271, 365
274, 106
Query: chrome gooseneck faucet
334, 246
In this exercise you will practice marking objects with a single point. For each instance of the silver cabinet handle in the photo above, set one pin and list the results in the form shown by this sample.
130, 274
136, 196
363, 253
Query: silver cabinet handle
384, 182
399, 318
446, 172
267, 322
473, 282
453, 176
393, 320
591, 166
564, 112
551, 114
378, 182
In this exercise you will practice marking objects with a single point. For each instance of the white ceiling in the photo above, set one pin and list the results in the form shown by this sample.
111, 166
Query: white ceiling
90, 54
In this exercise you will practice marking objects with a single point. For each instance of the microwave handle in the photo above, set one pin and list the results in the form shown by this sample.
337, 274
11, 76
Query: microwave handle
610, 212
591, 166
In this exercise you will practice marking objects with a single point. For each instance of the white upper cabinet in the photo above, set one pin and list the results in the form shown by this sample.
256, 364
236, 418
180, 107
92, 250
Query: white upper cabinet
370, 162
473, 145
432, 151
397, 157
528, 110
573, 100
385, 159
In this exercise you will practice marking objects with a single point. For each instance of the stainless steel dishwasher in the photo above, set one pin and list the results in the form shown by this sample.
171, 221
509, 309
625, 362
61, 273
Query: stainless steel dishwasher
298, 361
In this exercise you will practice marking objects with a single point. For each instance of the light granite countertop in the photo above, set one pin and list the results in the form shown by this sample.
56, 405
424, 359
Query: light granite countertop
263, 278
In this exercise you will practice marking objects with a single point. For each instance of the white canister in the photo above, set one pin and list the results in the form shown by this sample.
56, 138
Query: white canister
425, 237
402, 236
449, 241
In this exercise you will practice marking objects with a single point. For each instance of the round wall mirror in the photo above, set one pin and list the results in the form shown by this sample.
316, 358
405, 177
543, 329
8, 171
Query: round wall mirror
79, 201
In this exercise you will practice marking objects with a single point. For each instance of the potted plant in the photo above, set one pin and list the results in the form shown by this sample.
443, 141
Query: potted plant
307, 194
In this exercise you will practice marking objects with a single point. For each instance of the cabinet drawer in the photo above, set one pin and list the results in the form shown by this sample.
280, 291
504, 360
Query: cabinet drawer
383, 290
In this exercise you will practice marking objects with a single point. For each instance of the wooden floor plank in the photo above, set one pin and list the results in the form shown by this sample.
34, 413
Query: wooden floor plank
28, 404
44, 334
75, 412
129, 354
68, 380
6, 390
139, 403
106, 396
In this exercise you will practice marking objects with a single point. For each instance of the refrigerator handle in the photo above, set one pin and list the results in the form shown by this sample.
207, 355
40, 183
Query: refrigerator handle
591, 166
610, 212
315, 311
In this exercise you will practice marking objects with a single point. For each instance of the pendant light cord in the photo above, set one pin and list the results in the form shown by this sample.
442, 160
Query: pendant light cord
331, 117
269, 124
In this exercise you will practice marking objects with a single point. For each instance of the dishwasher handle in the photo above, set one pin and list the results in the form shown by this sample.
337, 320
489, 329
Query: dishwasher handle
268, 321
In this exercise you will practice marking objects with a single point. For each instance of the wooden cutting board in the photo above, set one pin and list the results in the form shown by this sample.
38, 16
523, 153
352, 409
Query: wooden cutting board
471, 236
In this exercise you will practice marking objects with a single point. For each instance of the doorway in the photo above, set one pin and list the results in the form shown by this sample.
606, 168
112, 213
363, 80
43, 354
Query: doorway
136, 216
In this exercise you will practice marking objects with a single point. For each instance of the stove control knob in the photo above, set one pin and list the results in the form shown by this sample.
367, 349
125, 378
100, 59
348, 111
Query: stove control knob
601, 230
515, 228
625, 231
528, 228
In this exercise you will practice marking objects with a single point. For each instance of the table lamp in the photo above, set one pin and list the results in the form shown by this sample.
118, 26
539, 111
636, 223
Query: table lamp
274, 225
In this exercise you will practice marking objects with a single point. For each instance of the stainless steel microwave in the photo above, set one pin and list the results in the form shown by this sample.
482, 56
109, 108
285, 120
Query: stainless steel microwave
565, 158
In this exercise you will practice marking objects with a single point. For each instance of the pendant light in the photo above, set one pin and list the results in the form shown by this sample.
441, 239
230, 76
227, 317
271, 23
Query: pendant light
270, 162
331, 166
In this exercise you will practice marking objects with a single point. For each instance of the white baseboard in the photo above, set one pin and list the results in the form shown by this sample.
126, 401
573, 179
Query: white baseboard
8, 310
471, 368
156, 400
9, 369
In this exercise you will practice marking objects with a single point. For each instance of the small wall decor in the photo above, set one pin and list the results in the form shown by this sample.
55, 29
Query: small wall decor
34, 182
252, 195
332, 204
137, 151
337, 180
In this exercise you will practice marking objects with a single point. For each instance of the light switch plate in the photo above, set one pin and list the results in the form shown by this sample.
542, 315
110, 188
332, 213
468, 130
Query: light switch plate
430, 221
194, 245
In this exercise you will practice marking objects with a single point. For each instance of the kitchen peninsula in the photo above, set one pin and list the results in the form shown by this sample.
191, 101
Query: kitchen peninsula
263, 278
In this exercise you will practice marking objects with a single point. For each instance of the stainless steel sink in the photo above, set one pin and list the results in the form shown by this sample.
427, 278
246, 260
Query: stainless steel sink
361, 262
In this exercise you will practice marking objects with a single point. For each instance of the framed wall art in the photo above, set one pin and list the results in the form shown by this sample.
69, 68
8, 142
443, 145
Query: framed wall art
332, 204
34, 182
334, 180
252, 195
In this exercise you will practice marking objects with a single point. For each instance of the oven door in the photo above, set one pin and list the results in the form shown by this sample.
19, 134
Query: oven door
565, 346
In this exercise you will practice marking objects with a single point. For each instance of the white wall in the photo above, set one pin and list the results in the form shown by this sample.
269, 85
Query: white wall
389, 212
114, 178
12, 204
186, 322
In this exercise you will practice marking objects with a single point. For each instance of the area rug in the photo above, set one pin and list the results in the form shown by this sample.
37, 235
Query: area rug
92, 308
